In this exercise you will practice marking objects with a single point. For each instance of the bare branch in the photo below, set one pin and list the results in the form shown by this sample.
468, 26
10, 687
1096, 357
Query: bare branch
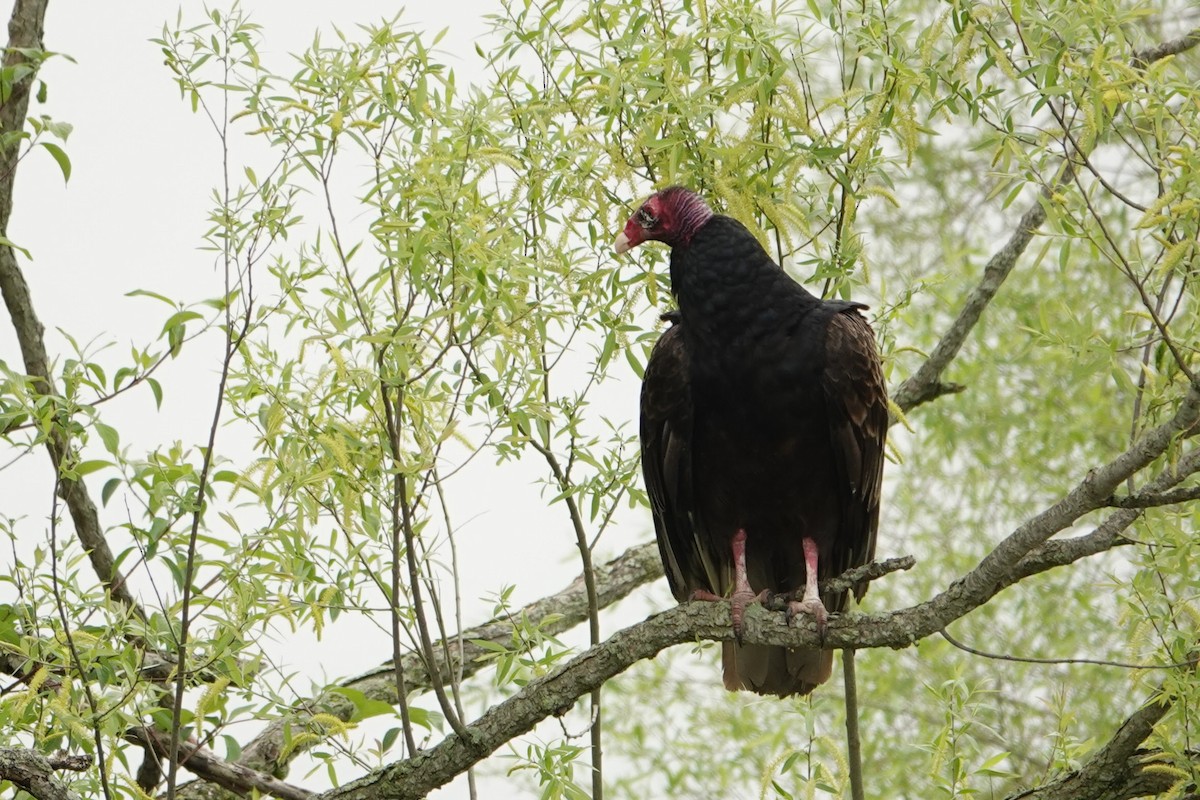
24, 670
1109, 534
847, 580
1090, 494
1060, 552
867, 572
33, 771
1097, 662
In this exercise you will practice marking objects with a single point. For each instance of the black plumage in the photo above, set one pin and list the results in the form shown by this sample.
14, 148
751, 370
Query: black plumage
763, 418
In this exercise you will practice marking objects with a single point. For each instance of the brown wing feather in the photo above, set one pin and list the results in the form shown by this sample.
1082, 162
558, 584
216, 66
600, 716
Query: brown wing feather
856, 403
666, 433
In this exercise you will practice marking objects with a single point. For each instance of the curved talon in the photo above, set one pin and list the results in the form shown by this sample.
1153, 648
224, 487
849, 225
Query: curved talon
742, 595
812, 606
738, 602
810, 603
741, 598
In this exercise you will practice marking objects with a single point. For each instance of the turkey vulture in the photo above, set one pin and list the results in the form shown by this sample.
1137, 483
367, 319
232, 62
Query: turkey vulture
763, 417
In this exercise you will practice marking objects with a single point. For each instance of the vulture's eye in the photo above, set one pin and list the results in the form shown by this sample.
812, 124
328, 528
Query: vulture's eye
645, 218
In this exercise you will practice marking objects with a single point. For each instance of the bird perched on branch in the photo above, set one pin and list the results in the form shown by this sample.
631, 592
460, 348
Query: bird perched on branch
763, 418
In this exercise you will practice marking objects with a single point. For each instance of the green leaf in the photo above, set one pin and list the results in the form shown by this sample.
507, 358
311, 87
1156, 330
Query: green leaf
109, 436
156, 389
233, 748
60, 156
155, 295
175, 339
177, 319
10, 623
88, 467
6, 242
364, 706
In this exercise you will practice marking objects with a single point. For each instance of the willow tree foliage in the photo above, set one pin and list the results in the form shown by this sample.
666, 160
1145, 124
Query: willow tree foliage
418, 299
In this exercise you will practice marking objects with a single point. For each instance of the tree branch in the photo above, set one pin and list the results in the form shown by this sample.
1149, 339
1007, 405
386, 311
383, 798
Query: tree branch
1119, 769
1156, 499
25, 30
33, 771
1107, 535
926, 384
269, 753
866, 572
1090, 494
1171, 47
1095, 662
207, 765
416, 776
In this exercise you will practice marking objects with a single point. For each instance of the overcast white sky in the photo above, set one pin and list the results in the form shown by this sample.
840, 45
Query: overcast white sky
131, 217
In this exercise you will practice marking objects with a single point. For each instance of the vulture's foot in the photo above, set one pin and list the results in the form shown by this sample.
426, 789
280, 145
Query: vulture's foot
742, 595
811, 606
810, 603
738, 601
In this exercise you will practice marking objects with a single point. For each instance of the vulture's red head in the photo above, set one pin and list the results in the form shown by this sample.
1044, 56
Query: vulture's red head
671, 216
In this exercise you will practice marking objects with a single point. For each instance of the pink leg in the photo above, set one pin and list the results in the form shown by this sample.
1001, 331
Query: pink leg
811, 602
742, 595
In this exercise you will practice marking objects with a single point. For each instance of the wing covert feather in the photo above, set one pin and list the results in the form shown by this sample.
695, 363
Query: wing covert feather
856, 404
666, 432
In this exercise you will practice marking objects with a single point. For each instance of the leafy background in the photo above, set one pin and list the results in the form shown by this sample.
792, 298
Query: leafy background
410, 383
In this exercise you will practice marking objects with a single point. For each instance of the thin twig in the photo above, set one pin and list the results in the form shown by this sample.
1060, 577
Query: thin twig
853, 743
76, 661
233, 342
1156, 499
1031, 660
